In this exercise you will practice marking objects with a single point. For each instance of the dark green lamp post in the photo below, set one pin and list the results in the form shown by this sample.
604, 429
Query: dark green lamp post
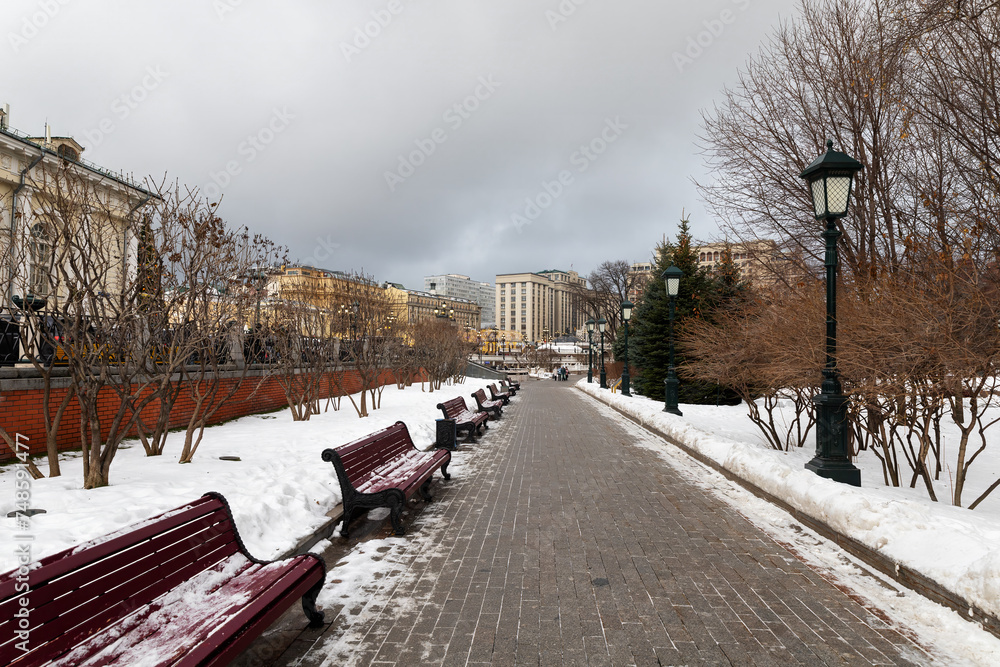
830, 177
602, 324
627, 307
672, 279
590, 350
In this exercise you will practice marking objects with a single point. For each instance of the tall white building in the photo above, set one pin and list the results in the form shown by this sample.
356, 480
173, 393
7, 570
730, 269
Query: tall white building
462, 287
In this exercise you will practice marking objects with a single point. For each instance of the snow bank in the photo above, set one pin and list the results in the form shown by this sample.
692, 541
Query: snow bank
280, 490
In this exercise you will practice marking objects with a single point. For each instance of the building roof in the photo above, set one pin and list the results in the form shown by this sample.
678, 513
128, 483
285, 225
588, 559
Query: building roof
89, 166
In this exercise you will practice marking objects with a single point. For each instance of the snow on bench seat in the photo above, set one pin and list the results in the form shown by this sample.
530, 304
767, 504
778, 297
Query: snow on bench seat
177, 589
384, 469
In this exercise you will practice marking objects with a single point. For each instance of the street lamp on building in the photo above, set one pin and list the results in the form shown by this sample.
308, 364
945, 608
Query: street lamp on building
602, 324
830, 177
590, 350
627, 307
672, 278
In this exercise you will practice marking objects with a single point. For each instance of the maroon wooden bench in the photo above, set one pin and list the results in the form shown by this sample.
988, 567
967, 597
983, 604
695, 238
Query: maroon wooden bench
465, 419
493, 408
498, 395
176, 589
510, 387
384, 469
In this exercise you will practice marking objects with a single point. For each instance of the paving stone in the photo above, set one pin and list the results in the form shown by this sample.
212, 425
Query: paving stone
561, 543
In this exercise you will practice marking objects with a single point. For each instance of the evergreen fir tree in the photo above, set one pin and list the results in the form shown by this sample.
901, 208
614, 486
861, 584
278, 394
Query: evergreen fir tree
700, 292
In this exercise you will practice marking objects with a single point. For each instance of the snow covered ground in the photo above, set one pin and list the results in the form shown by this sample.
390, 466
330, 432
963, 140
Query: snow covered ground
958, 548
280, 490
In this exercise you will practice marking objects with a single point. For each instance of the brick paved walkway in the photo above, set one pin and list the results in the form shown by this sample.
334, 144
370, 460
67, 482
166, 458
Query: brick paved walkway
558, 542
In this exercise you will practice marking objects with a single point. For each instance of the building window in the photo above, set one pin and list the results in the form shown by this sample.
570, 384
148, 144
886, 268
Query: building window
40, 255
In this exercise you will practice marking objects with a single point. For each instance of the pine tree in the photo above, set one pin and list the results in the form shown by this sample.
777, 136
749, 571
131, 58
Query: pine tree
700, 292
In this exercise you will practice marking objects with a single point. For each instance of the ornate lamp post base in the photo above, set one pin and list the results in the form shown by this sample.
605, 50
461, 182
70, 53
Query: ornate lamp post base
832, 460
844, 472
671, 393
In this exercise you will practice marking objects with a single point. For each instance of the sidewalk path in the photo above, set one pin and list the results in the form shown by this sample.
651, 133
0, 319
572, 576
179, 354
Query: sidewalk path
558, 542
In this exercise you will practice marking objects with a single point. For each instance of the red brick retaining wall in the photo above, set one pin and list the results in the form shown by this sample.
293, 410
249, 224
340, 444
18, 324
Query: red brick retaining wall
21, 409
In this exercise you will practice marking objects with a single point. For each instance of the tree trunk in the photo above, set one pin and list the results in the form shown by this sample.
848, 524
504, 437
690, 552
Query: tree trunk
97, 474
52, 429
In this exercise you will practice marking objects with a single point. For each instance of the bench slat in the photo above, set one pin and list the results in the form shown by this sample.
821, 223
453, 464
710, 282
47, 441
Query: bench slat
134, 560
260, 615
78, 603
383, 469
74, 624
190, 624
70, 559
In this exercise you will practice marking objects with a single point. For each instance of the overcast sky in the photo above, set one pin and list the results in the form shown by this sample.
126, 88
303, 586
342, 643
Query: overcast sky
402, 137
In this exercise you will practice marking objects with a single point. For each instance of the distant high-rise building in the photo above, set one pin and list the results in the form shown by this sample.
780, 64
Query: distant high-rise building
540, 306
462, 287
757, 260
641, 273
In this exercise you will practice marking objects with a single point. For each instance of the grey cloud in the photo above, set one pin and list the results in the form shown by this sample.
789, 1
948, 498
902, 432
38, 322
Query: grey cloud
320, 183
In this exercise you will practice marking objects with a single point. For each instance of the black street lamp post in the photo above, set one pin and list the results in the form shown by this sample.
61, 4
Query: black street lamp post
590, 350
601, 326
627, 307
830, 177
672, 279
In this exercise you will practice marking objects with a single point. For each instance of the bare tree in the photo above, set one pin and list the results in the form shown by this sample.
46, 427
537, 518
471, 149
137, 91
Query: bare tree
372, 326
91, 229
763, 350
39, 339
300, 326
440, 350
228, 297
834, 72
610, 285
